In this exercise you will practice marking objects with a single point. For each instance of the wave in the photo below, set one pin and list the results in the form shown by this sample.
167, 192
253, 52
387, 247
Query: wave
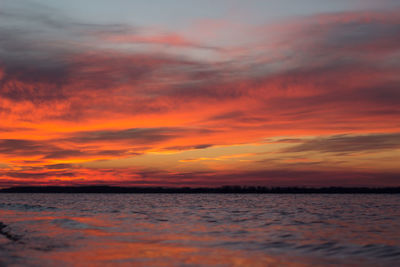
4, 231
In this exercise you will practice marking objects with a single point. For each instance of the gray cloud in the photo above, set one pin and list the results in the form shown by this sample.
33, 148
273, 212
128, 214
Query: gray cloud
200, 146
136, 135
324, 58
47, 149
349, 143
35, 175
59, 166
46, 56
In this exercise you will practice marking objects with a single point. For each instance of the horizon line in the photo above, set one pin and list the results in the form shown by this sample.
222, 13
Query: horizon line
220, 189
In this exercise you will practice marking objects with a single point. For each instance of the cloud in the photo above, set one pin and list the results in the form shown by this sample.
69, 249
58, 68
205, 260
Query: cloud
46, 149
136, 135
132, 177
22, 147
95, 92
326, 69
59, 166
46, 57
225, 157
349, 143
100, 144
200, 146
35, 175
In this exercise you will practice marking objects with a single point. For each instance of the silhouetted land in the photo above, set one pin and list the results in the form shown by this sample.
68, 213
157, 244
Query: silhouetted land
202, 190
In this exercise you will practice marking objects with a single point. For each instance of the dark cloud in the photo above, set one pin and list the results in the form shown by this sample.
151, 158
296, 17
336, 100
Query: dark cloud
136, 135
82, 153
59, 166
342, 66
349, 143
46, 149
64, 153
35, 175
274, 177
379, 34
200, 146
44, 57
22, 147
240, 117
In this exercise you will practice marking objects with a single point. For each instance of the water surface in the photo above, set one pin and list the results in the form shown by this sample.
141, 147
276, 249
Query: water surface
199, 230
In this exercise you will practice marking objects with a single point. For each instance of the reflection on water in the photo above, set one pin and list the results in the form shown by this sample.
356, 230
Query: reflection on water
193, 230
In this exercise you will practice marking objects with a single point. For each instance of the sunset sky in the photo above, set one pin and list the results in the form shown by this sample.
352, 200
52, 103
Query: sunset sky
200, 93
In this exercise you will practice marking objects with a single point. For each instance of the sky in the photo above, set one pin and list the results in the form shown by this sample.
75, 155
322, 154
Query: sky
200, 93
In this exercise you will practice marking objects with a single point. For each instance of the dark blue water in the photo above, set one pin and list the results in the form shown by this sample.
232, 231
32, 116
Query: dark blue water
199, 230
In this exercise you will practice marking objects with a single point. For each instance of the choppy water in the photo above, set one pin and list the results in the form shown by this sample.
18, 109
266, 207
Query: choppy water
199, 230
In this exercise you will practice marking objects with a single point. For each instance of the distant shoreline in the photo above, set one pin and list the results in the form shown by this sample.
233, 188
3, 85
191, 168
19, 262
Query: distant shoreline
200, 190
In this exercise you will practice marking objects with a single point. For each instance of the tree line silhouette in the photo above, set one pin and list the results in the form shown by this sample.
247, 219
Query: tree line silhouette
202, 190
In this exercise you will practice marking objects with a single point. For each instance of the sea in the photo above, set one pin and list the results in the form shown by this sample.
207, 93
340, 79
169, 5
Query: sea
199, 230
